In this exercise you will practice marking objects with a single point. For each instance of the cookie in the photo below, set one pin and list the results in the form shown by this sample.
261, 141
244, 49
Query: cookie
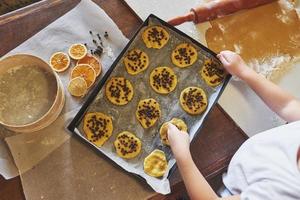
155, 37
127, 145
136, 61
184, 55
148, 112
119, 91
212, 73
163, 131
155, 164
193, 100
97, 127
163, 80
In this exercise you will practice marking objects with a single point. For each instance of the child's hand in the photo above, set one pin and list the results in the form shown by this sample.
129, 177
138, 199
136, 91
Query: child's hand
179, 142
233, 63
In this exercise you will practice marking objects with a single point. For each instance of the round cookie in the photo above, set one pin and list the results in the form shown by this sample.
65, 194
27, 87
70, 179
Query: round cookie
98, 127
155, 37
163, 80
127, 145
148, 112
119, 90
212, 73
163, 131
136, 61
155, 164
184, 55
193, 100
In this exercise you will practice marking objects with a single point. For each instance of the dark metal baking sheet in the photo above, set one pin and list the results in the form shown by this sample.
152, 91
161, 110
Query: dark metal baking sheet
96, 101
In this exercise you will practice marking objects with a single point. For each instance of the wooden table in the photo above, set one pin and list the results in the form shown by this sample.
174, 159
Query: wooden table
212, 149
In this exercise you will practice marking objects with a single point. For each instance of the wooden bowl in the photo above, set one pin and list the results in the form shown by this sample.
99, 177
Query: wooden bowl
31, 94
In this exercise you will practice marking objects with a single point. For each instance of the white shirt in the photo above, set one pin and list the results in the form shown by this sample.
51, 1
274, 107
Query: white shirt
265, 167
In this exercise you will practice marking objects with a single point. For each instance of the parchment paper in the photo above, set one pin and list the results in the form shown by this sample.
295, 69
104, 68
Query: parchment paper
54, 165
124, 118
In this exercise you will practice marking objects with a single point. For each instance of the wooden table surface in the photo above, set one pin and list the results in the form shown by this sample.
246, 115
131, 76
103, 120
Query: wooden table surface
212, 149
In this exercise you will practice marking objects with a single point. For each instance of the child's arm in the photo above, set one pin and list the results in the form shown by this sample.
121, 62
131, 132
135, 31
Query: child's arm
196, 185
281, 102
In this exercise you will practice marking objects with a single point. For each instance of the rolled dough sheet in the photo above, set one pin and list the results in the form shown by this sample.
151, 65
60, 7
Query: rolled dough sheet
268, 38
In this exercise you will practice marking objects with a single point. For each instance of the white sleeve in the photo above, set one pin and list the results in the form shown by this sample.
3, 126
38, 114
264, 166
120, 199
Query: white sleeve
268, 190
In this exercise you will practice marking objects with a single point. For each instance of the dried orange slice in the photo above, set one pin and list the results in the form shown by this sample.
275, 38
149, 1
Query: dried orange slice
59, 61
77, 51
77, 87
93, 62
86, 72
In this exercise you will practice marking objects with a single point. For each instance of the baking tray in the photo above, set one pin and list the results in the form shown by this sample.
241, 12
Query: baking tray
124, 116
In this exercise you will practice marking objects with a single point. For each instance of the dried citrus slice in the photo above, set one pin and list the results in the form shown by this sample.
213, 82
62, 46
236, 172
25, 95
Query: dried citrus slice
93, 62
77, 51
77, 87
86, 72
59, 61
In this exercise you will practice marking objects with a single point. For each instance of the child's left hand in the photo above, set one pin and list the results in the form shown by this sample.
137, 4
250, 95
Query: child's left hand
179, 142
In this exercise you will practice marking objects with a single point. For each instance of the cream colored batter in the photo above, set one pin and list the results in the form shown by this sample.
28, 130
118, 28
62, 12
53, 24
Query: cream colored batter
265, 37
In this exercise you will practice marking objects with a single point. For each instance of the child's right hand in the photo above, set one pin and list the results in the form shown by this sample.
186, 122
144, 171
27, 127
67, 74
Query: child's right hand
233, 63
179, 142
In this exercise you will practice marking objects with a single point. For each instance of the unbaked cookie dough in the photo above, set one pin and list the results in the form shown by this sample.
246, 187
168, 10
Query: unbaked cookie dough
193, 100
155, 164
127, 145
98, 127
179, 123
136, 61
212, 73
148, 112
119, 90
184, 55
163, 80
155, 37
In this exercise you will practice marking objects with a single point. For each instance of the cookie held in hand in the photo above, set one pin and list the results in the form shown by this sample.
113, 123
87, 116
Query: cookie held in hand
163, 131
98, 127
155, 164
127, 145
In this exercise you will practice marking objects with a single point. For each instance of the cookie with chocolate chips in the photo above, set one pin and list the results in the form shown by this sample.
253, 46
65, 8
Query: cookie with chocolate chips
212, 73
156, 164
148, 112
119, 91
163, 131
193, 100
163, 80
127, 145
136, 61
184, 55
97, 127
155, 37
